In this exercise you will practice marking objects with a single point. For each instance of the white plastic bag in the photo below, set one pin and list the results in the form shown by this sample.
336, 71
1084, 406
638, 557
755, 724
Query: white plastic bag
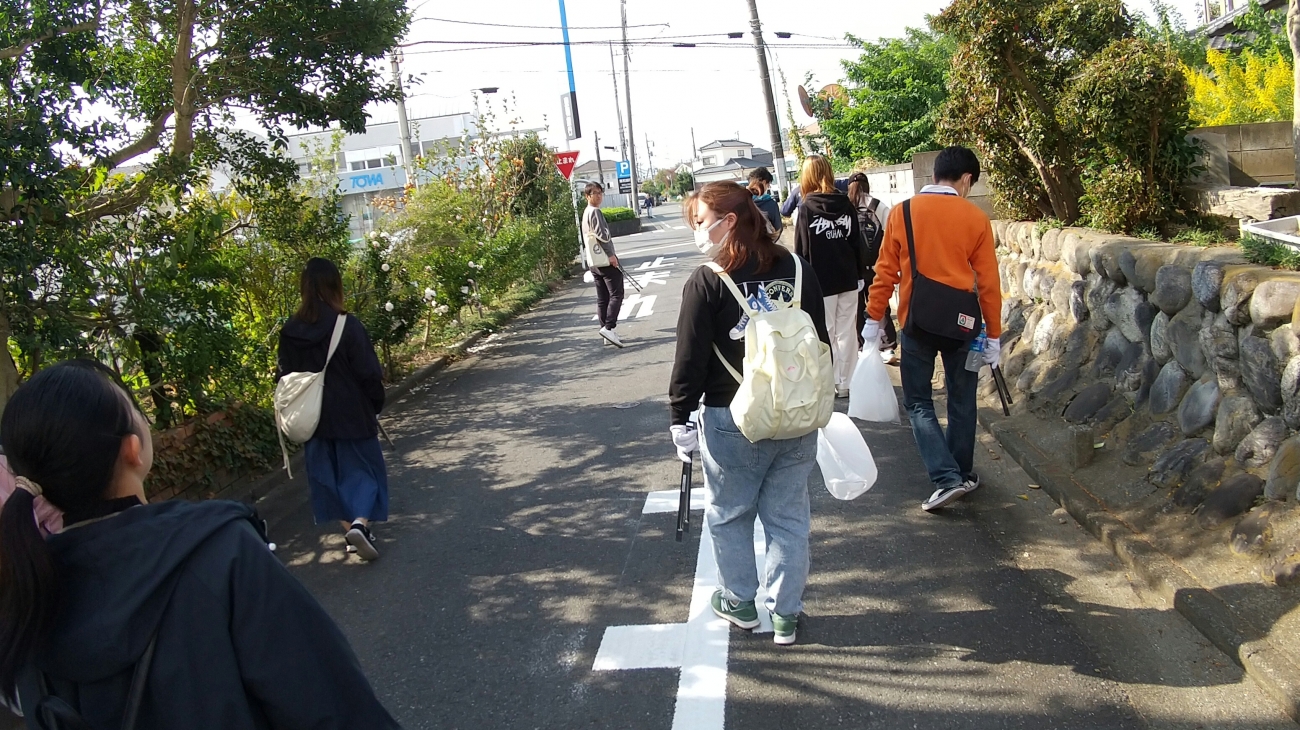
871, 394
845, 460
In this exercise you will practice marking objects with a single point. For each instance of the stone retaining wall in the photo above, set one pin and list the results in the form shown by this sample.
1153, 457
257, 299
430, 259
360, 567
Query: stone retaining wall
1187, 357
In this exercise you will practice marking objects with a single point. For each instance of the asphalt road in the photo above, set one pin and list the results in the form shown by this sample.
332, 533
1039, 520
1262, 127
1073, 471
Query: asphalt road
521, 569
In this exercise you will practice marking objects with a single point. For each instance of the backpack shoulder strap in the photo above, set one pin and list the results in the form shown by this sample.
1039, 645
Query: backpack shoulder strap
727, 365
336, 338
138, 681
731, 286
798, 282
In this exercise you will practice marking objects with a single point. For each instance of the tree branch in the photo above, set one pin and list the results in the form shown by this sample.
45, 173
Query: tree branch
182, 74
19, 49
147, 142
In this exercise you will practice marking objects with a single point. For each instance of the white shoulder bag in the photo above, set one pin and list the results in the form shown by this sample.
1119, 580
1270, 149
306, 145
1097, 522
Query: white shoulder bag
298, 398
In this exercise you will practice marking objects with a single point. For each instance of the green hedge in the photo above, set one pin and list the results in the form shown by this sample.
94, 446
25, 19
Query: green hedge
618, 214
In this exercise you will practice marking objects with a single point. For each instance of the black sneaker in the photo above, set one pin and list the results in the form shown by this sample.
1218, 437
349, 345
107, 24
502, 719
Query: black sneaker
360, 537
971, 484
943, 496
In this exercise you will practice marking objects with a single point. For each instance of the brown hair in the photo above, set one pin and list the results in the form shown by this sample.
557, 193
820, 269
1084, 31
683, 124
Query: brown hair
759, 181
688, 208
320, 282
750, 237
593, 187
816, 176
859, 185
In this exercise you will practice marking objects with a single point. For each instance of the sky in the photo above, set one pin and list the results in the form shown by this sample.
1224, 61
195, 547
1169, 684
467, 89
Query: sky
713, 91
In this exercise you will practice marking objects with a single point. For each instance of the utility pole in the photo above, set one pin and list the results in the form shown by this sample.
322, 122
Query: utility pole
403, 124
627, 94
600, 167
765, 77
695, 151
649, 159
613, 74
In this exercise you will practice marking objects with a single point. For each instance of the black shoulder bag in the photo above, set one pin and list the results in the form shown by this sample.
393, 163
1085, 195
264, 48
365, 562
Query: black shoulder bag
940, 315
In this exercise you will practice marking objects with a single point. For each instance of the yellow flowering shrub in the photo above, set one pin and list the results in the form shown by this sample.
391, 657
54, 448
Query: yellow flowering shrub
1243, 89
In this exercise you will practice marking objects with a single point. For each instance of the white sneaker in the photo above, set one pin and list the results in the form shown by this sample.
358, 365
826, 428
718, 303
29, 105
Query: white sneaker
611, 337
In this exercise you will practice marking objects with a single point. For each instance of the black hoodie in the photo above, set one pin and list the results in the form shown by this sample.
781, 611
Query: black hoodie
829, 237
354, 383
241, 644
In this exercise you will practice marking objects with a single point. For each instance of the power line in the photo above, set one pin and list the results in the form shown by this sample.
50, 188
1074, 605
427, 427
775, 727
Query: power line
543, 27
489, 45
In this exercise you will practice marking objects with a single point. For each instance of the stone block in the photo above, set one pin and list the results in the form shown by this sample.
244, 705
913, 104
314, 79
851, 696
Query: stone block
1148, 260
1284, 470
1184, 339
1044, 329
1243, 203
1290, 381
1106, 259
1236, 418
1076, 345
1128, 264
1233, 497
1159, 343
1198, 482
1097, 291
1199, 407
1122, 309
1051, 244
1207, 282
1173, 465
1253, 532
1261, 374
1131, 369
1114, 349
1274, 300
1078, 302
1118, 409
1062, 288
1046, 283
1284, 342
1169, 388
1074, 252
1173, 289
1088, 402
1238, 286
1151, 441
1261, 444
999, 233
1081, 446
1218, 337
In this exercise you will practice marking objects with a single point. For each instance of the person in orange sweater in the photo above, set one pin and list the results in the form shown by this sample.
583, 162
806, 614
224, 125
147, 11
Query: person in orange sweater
954, 246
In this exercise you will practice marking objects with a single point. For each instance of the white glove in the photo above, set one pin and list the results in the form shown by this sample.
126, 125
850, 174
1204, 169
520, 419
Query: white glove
992, 352
862, 284
871, 334
687, 441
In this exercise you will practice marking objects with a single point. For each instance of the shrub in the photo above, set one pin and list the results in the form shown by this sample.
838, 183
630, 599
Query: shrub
1241, 90
618, 214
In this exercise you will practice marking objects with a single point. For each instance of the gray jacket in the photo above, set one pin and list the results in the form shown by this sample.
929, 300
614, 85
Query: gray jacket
599, 244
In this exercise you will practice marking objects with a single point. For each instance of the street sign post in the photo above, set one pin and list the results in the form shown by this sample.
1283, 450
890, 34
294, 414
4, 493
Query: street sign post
572, 125
625, 186
623, 170
565, 161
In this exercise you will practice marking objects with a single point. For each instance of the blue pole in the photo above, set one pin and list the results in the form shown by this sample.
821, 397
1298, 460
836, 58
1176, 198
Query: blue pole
568, 53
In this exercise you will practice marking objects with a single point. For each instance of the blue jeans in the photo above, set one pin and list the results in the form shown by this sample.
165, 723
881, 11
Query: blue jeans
948, 457
769, 480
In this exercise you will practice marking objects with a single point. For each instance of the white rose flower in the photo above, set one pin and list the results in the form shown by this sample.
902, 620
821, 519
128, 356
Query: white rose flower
385, 267
428, 293
464, 290
388, 307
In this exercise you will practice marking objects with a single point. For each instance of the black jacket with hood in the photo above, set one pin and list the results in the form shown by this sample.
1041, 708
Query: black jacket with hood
241, 644
829, 237
354, 383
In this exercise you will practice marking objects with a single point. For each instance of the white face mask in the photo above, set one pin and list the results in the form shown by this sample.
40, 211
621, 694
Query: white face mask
702, 240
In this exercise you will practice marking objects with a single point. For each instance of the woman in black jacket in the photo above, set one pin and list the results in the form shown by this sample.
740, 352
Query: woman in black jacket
828, 235
345, 465
179, 605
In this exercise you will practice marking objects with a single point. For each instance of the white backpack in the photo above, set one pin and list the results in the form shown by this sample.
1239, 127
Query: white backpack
298, 398
788, 389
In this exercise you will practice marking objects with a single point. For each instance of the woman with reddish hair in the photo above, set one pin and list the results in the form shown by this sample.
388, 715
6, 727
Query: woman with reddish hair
767, 479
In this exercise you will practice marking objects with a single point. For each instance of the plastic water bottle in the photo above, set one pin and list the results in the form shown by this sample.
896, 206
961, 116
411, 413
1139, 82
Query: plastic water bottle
975, 358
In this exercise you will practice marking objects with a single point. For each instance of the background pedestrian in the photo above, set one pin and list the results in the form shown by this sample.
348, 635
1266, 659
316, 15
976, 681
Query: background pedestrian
345, 464
602, 262
760, 185
828, 236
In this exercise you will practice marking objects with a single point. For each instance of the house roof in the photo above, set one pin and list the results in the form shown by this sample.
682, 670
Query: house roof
590, 166
739, 163
720, 143
1227, 23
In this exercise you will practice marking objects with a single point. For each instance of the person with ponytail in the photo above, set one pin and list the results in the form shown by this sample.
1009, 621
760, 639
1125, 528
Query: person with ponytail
767, 479
168, 615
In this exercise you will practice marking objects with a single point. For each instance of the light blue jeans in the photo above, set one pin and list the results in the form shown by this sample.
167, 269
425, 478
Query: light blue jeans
769, 480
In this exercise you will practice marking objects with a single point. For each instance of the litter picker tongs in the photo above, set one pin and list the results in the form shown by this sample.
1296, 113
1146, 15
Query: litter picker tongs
1003, 392
630, 278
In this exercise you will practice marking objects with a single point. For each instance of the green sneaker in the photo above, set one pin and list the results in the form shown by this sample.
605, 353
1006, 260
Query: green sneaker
784, 628
741, 613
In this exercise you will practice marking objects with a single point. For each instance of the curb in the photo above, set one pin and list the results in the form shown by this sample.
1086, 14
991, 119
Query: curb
1275, 672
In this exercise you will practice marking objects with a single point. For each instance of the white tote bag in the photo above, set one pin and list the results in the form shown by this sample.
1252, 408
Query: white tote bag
844, 458
298, 398
871, 394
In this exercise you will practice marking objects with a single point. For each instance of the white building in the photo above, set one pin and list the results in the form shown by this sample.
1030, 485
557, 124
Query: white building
731, 159
369, 165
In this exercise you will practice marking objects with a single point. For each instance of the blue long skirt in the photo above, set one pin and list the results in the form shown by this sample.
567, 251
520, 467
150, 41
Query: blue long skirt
347, 479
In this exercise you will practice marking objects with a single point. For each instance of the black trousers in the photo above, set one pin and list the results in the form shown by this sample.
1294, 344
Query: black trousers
609, 295
891, 334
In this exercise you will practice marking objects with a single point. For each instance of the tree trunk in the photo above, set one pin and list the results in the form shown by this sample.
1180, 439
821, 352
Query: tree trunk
150, 345
1293, 32
8, 371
